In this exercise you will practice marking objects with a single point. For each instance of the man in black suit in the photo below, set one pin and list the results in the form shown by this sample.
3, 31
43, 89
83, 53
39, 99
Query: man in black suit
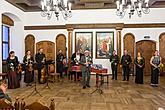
125, 61
40, 59
114, 59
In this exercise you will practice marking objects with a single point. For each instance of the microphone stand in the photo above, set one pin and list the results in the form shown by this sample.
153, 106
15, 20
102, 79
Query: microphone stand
35, 91
98, 89
47, 63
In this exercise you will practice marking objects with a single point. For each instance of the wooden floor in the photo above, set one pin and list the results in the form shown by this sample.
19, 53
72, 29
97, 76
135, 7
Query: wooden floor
118, 95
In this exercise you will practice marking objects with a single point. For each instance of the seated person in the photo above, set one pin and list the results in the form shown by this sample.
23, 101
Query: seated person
3, 95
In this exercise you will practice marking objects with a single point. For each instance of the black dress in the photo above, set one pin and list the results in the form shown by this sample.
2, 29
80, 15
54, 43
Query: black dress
140, 63
59, 60
13, 81
29, 72
155, 70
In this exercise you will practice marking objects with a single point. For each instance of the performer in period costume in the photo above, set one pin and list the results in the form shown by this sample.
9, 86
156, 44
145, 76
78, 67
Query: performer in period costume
40, 59
59, 60
114, 59
12, 63
140, 63
86, 61
29, 73
125, 61
155, 64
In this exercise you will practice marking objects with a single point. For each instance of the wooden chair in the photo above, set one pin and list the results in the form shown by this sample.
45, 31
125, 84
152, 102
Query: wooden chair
36, 106
52, 72
6, 106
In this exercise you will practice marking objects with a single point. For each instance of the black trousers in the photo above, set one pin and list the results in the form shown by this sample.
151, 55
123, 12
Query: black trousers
125, 73
114, 71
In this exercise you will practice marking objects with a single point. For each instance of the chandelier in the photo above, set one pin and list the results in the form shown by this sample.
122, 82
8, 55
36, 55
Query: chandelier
57, 7
138, 6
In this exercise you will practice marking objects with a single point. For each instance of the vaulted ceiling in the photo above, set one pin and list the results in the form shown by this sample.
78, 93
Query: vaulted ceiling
35, 5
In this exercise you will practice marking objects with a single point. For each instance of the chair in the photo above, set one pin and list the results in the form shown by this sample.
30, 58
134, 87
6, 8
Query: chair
36, 106
5, 106
52, 72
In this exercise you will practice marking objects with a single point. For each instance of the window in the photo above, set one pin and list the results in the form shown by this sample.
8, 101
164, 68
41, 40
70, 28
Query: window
5, 41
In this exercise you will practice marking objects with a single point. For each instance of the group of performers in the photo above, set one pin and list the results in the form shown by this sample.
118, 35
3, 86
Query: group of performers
13, 66
139, 62
85, 61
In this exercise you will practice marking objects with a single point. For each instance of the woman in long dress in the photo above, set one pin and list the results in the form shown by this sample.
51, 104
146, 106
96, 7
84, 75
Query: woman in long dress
29, 73
155, 64
140, 63
12, 63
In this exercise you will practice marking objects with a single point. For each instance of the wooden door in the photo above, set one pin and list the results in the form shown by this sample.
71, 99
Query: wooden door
129, 45
147, 48
48, 47
30, 43
162, 45
61, 44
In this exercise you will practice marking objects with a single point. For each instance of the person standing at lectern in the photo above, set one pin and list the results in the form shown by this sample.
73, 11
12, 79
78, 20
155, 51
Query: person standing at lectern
114, 59
40, 59
125, 61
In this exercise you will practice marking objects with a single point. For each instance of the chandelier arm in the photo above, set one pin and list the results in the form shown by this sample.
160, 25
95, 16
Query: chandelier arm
56, 6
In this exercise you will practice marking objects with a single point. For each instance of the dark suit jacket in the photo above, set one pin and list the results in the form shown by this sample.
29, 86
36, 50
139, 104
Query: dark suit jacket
83, 61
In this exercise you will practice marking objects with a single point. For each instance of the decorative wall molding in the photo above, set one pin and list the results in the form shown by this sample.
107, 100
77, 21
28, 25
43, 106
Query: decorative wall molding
117, 26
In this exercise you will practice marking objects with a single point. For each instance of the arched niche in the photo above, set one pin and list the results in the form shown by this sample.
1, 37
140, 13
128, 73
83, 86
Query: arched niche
48, 47
61, 43
162, 45
30, 43
147, 48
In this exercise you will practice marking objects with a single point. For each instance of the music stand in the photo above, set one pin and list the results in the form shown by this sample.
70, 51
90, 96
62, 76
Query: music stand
47, 63
35, 91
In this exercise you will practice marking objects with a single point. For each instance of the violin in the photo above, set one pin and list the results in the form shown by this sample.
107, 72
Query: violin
19, 68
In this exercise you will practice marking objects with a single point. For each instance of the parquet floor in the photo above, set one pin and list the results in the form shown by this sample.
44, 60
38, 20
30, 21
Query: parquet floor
117, 95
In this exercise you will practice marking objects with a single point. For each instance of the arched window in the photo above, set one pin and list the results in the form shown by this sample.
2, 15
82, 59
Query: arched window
7, 22
5, 41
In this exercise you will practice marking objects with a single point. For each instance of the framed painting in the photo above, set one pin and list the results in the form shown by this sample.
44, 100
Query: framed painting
104, 44
83, 41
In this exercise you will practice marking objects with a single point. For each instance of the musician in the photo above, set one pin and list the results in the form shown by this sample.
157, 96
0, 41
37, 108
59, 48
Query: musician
75, 60
12, 64
140, 63
3, 89
59, 60
40, 59
114, 59
125, 61
155, 64
29, 73
86, 61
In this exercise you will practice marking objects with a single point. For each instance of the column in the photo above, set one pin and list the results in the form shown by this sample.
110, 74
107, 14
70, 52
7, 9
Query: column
118, 35
70, 34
